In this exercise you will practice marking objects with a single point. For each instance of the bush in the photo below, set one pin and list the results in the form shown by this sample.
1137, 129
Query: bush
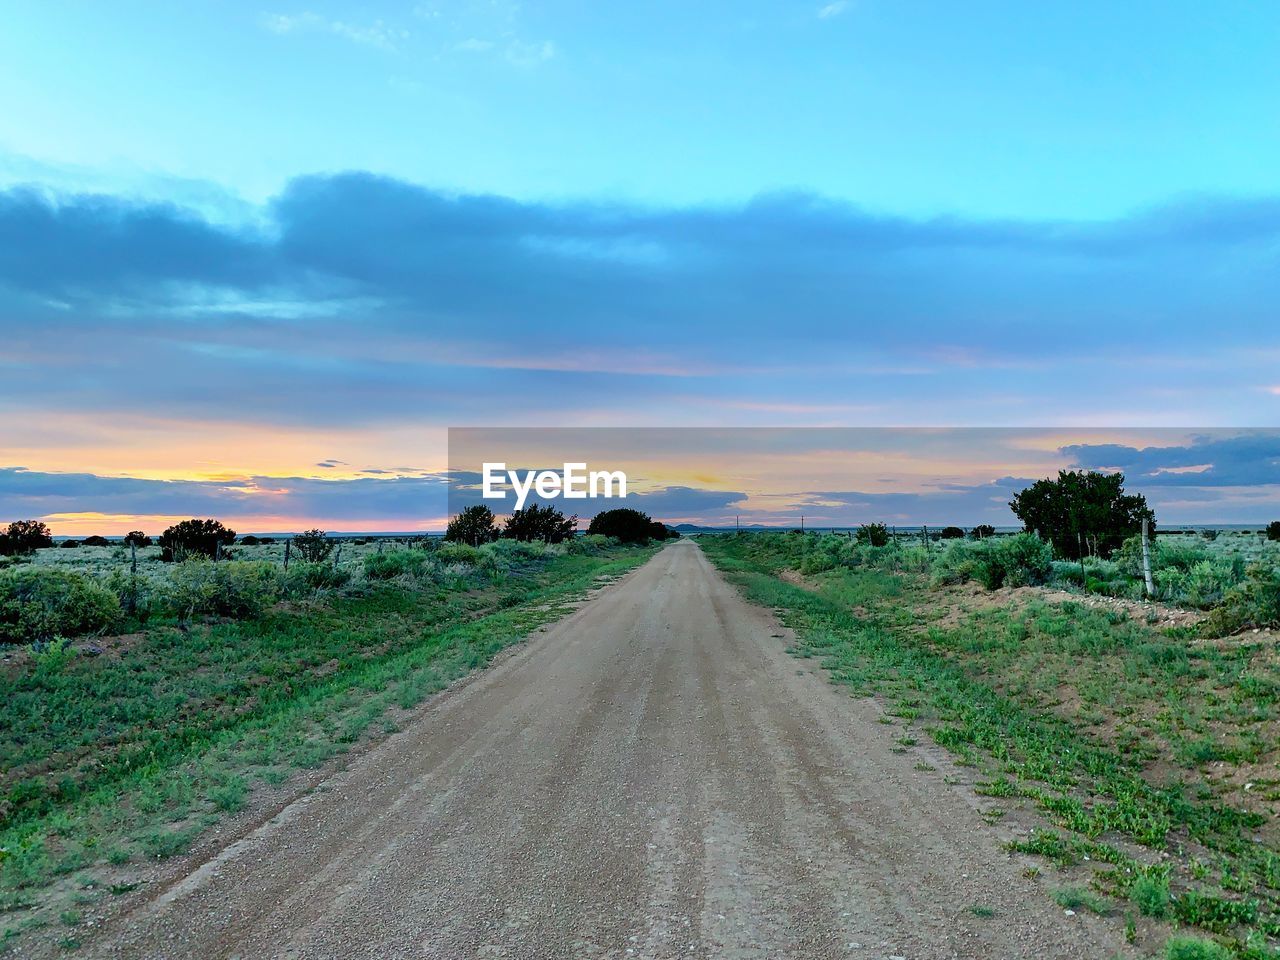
1273, 530
1018, 561
96, 541
873, 534
1193, 948
249, 540
314, 545
395, 563
69, 544
137, 538
317, 576
540, 523
628, 526
23, 537
1150, 894
234, 588
1026, 560
459, 553
37, 603
474, 525
194, 538
982, 531
951, 533
1253, 603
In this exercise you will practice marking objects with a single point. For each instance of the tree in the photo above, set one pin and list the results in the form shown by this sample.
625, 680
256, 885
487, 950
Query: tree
25, 536
1273, 530
474, 525
982, 531
136, 538
544, 523
628, 526
952, 533
314, 545
192, 538
96, 541
1082, 513
875, 534
69, 544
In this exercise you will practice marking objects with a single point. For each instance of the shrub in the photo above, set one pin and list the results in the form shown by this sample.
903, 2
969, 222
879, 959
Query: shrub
96, 541
1273, 530
249, 540
395, 563
474, 525
951, 533
314, 545
69, 544
1253, 603
136, 538
1018, 561
1150, 894
194, 538
1193, 948
317, 576
873, 534
37, 603
1025, 559
458, 553
543, 523
234, 588
982, 531
24, 537
627, 526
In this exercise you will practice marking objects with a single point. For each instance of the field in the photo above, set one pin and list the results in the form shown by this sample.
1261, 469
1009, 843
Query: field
118, 750
1143, 740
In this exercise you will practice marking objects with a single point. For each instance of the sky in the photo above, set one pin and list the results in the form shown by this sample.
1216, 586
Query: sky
256, 258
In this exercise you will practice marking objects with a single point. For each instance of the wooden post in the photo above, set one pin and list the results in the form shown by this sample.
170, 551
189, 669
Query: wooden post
338, 556
288, 546
1146, 557
924, 532
133, 577
217, 552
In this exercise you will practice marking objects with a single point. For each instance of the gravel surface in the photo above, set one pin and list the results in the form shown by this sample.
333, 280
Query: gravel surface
651, 777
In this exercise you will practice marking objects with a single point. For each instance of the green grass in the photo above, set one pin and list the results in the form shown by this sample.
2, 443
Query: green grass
1073, 709
1079, 898
132, 754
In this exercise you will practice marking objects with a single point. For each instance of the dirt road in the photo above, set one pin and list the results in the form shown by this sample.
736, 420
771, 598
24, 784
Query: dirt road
652, 777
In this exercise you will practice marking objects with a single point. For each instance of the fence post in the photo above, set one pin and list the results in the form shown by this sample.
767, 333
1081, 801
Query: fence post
1146, 557
288, 546
133, 577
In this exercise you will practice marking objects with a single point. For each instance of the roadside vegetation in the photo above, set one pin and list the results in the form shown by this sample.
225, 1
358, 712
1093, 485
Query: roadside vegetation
147, 691
1145, 736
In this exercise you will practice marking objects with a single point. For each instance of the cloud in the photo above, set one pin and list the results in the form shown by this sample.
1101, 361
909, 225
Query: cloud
1249, 459
522, 54
377, 299
377, 34
833, 9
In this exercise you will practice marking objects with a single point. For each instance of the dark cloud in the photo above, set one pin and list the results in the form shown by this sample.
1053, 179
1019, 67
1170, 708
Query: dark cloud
356, 299
1248, 459
30, 493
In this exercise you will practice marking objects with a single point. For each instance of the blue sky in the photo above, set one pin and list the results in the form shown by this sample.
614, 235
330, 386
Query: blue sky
240, 240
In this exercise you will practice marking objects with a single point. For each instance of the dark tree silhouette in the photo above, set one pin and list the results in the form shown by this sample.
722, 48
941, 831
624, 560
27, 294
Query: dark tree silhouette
194, 538
474, 525
543, 523
1082, 513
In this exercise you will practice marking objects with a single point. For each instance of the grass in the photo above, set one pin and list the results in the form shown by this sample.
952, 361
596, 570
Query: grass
1101, 721
130, 755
